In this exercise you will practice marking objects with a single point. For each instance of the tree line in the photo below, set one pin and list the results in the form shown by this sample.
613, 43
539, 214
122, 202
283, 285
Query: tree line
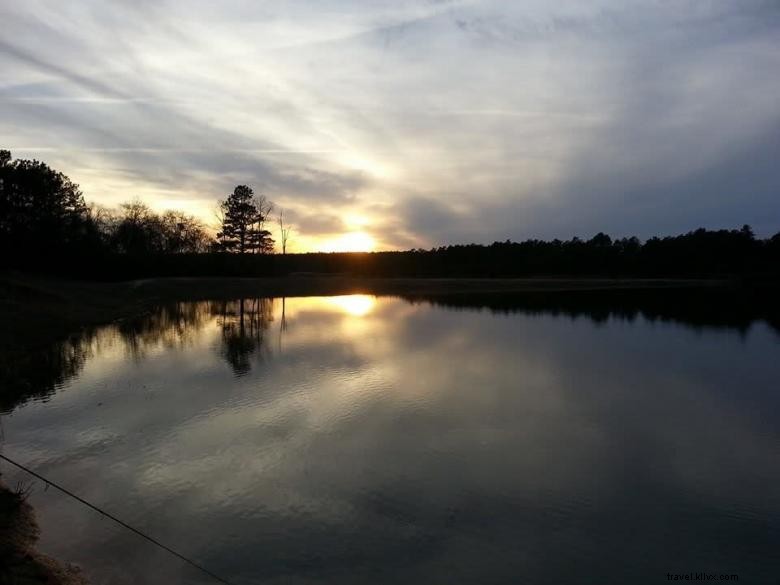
43, 211
45, 225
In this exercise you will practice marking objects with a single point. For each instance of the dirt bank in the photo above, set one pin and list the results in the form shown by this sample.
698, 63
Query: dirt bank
20, 563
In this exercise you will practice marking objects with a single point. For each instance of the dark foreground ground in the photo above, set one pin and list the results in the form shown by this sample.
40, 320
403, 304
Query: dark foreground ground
37, 312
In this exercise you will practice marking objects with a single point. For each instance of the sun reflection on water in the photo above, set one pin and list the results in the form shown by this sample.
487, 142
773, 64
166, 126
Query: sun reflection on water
355, 305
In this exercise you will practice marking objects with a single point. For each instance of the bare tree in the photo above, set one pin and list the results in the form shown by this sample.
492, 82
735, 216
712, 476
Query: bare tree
284, 232
219, 215
261, 237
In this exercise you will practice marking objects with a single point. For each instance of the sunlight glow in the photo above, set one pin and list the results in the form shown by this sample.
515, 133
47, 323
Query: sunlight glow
351, 242
356, 221
355, 305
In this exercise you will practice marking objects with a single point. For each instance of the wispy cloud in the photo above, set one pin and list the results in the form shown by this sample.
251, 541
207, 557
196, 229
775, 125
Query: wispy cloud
437, 121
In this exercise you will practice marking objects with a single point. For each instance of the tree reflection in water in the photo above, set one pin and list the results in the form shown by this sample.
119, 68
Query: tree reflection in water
171, 325
35, 373
243, 324
39, 372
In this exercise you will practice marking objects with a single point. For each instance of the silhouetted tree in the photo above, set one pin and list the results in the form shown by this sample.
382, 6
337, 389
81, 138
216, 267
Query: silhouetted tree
41, 210
183, 233
136, 229
601, 240
136, 232
243, 221
284, 232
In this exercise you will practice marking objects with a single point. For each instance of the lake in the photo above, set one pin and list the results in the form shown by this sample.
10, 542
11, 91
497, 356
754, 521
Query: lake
362, 439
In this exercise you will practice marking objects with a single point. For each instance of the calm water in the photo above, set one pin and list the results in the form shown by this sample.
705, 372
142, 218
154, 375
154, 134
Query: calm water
374, 440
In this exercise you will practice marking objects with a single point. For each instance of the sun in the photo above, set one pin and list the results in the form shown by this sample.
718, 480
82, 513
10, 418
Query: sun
350, 242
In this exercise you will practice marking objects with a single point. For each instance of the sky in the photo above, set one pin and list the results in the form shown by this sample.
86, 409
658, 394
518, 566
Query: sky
412, 123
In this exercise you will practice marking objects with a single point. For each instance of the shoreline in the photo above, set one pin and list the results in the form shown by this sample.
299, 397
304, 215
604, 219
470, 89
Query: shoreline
35, 310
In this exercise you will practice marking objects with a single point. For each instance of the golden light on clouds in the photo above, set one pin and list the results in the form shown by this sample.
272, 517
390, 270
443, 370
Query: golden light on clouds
356, 220
328, 110
350, 242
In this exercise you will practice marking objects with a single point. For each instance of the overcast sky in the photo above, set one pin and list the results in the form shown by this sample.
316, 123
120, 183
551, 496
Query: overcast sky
415, 123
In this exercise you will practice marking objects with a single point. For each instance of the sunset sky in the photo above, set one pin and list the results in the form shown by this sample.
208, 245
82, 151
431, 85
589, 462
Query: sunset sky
379, 124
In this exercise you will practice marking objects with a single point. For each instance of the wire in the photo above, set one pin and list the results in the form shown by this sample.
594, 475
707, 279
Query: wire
117, 520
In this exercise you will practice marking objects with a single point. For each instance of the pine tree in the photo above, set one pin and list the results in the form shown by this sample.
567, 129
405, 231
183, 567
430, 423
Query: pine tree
243, 218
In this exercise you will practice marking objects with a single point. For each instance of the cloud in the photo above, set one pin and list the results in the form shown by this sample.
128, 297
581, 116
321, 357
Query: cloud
430, 218
439, 121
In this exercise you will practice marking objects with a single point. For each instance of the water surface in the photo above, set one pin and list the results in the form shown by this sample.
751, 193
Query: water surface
375, 440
